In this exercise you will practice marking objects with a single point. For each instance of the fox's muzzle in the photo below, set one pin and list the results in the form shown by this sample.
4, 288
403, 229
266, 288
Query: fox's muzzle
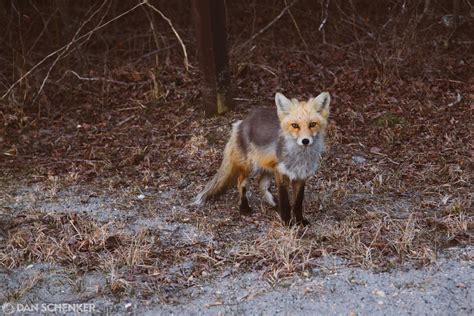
305, 141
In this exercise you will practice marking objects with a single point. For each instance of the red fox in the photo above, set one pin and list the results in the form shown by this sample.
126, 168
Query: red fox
287, 142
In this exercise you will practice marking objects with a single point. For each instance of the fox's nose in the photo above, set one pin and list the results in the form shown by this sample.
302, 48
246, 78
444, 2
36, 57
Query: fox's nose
305, 141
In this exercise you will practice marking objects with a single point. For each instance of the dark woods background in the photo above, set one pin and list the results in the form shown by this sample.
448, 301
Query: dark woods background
100, 86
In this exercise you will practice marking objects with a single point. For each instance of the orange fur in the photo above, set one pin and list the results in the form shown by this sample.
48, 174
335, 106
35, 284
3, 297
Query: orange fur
303, 114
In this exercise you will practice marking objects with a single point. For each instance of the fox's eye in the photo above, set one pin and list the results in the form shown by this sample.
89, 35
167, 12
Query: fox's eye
312, 124
294, 125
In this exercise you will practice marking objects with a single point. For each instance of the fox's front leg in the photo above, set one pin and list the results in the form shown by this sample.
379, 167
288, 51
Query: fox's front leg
298, 196
284, 207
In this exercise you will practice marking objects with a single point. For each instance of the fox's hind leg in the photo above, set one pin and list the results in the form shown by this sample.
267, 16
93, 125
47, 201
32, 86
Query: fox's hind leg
264, 181
242, 185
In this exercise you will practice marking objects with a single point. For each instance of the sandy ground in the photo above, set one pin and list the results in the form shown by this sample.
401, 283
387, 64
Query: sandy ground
444, 288
332, 287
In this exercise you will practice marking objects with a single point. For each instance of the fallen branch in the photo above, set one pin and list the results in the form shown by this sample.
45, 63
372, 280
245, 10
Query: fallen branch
97, 79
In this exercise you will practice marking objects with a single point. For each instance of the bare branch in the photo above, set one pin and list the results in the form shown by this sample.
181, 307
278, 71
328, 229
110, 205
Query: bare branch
296, 26
67, 46
66, 49
186, 61
98, 79
325, 18
266, 27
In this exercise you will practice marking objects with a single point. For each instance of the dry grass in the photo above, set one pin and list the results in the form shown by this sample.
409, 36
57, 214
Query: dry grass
280, 252
369, 233
75, 240
27, 286
374, 240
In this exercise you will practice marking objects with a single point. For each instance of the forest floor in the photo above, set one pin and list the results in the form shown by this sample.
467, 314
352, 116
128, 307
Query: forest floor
98, 172
146, 251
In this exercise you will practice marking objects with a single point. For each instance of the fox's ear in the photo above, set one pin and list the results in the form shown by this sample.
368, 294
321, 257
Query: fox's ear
283, 104
322, 104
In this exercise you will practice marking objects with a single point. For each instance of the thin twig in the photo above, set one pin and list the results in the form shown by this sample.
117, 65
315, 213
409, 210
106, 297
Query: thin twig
152, 53
426, 9
45, 26
151, 19
97, 79
325, 18
186, 61
296, 25
266, 27
456, 12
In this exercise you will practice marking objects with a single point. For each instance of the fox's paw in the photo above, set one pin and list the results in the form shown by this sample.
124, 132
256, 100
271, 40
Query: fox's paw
287, 222
245, 210
199, 200
270, 199
285, 216
302, 222
275, 208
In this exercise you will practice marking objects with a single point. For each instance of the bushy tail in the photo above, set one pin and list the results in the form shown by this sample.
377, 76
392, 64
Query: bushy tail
227, 173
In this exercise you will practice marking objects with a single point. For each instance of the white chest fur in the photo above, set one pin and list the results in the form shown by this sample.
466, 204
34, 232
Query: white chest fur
299, 163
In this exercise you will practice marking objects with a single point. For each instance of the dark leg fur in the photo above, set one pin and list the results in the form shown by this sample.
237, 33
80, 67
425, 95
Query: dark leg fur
298, 194
244, 207
276, 207
284, 204
284, 207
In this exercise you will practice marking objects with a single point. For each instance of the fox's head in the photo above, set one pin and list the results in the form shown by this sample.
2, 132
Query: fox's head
303, 120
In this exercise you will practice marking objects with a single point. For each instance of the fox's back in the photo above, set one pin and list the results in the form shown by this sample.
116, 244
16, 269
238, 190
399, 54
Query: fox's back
260, 128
